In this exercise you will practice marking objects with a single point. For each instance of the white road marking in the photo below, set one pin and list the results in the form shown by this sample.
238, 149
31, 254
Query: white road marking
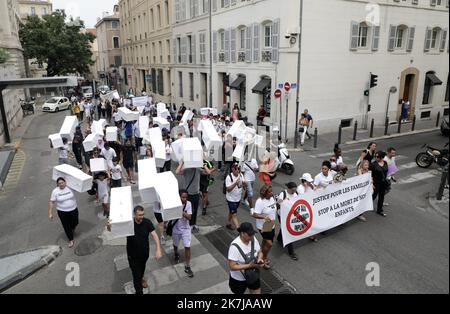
419, 177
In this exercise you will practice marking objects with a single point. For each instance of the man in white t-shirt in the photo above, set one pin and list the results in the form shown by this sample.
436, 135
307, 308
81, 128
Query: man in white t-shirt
324, 178
238, 264
249, 169
108, 153
234, 183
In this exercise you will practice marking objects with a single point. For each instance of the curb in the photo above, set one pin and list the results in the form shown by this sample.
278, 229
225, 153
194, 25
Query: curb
433, 203
24, 273
390, 136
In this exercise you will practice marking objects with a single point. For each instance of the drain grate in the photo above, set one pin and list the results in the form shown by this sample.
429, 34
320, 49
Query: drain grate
88, 246
270, 284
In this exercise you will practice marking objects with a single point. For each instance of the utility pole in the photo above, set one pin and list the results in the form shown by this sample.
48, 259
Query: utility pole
210, 103
299, 59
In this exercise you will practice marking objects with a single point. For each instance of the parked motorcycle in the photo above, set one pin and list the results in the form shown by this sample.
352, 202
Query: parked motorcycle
426, 159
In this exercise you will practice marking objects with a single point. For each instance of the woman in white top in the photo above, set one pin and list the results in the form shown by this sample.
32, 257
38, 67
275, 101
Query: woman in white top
66, 206
363, 169
265, 212
234, 183
242, 246
324, 178
306, 186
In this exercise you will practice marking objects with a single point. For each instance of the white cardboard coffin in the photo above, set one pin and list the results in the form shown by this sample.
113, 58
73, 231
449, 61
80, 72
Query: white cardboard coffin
237, 129
188, 115
154, 134
192, 153
239, 151
98, 165
167, 191
162, 123
210, 136
75, 178
68, 127
177, 150
140, 101
142, 150
111, 134
259, 140
143, 125
159, 152
98, 127
147, 178
128, 115
213, 111
249, 136
121, 212
204, 111
162, 110
56, 140
90, 142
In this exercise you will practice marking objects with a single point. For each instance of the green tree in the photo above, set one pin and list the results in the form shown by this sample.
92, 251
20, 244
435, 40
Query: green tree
62, 46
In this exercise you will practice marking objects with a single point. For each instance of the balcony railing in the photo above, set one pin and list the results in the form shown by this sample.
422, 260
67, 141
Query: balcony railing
241, 56
221, 56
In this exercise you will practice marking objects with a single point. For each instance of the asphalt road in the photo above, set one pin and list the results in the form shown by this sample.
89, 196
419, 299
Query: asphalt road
411, 244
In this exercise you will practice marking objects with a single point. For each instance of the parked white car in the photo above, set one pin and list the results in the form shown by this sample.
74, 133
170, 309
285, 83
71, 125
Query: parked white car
56, 104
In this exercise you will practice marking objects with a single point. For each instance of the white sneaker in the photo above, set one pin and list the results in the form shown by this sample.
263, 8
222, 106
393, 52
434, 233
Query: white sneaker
385, 204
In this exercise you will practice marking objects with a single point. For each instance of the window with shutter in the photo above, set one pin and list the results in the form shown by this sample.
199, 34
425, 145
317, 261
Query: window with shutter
433, 3
275, 40
248, 48
183, 10
233, 45
177, 10
354, 29
376, 38
184, 50
227, 46
202, 39
215, 47
443, 40
233, 2
191, 8
196, 13
412, 32
193, 49
256, 42
428, 34
392, 34
225, 3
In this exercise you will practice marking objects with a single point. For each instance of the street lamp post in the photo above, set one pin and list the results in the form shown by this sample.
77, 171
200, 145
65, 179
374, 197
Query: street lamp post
210, 105
392, 90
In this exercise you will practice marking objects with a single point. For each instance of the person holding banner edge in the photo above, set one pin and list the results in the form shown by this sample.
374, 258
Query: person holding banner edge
287, 195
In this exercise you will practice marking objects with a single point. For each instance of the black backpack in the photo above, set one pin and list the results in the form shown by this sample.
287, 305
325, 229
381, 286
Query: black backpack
225, 184
171, 224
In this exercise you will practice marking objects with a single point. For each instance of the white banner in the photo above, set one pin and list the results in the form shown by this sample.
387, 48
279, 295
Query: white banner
324, 209
140, 101
110, 96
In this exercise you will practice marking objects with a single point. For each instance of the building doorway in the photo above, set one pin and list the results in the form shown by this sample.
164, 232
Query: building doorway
204, 90
408, 91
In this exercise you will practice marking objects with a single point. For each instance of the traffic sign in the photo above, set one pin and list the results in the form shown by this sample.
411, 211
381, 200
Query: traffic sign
287, 86
277, 93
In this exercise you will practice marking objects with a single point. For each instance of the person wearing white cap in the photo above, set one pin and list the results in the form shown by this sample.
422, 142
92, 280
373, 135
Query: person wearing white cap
306, 186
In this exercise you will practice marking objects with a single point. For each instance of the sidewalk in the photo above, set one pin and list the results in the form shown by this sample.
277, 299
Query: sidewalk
328, 140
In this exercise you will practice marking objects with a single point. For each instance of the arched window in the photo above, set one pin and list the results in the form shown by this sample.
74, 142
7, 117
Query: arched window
267, 35
400, 37
363, 35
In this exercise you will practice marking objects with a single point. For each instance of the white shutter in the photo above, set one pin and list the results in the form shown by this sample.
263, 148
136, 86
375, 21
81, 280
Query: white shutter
248, 44
428, 35
354, 29
227, 46
215, 47
214, 5
392, 33
226, 3
256, 42
443, 39
177, 10
375, 38
193, 49
191, 8
433, 3
183, 10
275, 40
412, 32
233, 45
233, 2
174, 47
196, 11
183, 50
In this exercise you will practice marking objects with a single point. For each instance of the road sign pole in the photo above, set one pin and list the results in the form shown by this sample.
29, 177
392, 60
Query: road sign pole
286, 125
281, 118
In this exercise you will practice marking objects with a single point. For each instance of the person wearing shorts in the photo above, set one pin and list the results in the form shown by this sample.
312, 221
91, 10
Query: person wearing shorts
159, 218
182, 232
234, 183
265, 212
103, 193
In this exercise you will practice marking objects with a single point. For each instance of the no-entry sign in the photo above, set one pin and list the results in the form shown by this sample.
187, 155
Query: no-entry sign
277, 93
287, 86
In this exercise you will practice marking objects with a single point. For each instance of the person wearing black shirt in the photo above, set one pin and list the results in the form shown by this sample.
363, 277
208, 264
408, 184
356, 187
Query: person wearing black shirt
379, 170
138, 247
77, 146
128, 159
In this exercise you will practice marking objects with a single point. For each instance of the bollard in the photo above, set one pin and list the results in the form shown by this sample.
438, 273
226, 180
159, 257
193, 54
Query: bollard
315, 138
399, 125
444, 179
386, 126
355, 129
438, 118
372, 123
413, 123
340, 133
